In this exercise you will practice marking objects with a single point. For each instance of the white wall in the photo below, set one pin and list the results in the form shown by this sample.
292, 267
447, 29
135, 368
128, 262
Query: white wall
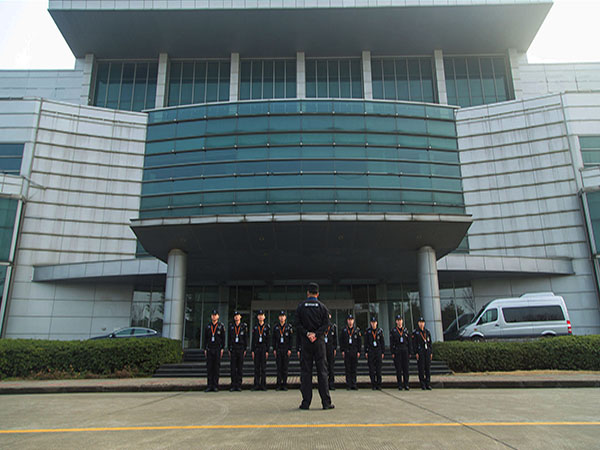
86, 176
62, 85
520, 186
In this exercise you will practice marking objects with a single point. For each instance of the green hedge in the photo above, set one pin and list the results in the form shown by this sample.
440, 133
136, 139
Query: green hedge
556, 353
103, 357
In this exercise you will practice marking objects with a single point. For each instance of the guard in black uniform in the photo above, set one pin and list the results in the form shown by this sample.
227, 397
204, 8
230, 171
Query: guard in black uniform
350, 345
312, 320
282, 347
238, 344
331, 343
260, 351
214, 343
374, 350
423, 352
400, 345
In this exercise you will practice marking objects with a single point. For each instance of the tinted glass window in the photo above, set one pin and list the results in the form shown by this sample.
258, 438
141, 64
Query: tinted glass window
267, 78
198, 82
334, 78
491, 315
402, 79
130, 86
533, 314
10, 158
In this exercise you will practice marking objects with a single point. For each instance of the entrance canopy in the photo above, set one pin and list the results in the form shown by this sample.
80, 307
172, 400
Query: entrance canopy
302, 246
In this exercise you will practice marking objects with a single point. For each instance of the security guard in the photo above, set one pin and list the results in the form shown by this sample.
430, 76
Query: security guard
350, 345
312, 320
214, 343
238, 343
374, 350
423, 352
331, 349
260, 351
282, 347
400, 345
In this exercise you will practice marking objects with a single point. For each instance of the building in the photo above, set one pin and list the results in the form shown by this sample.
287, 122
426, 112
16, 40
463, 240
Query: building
223, 153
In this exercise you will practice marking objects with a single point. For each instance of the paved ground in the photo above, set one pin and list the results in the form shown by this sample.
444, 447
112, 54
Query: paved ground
525, 379
442, 418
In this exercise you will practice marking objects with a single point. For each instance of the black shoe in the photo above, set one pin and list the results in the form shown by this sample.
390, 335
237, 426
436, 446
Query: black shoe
374, 388
406, 388
208, 389
303, 406
354, 388
332, 388
284, 388
378, 388
255, 388
400, 388
330, 406
263, 388
428, 387
216, 389
424, 387
233, 389
348, 388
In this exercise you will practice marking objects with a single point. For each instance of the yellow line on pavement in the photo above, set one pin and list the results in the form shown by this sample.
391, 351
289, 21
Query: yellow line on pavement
302, 425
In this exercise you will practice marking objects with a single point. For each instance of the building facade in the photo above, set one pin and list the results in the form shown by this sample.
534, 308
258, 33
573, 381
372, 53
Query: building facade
222, 154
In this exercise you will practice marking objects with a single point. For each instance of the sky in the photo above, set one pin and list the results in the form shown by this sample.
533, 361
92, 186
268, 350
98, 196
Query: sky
29, 38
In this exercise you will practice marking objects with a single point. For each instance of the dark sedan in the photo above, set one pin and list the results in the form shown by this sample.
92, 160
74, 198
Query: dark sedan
130, 332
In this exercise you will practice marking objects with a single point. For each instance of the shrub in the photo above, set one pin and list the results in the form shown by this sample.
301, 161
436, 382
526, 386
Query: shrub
107, 357
556, 353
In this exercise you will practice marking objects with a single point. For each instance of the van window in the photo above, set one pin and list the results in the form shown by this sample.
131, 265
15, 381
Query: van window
491, 315
533, 314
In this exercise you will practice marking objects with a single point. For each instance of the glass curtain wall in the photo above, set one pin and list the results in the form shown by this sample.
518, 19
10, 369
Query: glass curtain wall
10, 158
201, 81
129, 86
147, 309
334, 78
409, 79
267, 78
476, 80
590, 150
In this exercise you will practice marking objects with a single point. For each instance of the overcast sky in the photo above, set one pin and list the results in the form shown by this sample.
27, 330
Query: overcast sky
30, 40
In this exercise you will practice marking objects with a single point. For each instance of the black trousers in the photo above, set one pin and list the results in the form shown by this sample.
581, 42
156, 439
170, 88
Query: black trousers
330, 365
401, 363
237, 367
213, 365
260, 367
375, 363
282, 360
350, 363
424, 365
313, 352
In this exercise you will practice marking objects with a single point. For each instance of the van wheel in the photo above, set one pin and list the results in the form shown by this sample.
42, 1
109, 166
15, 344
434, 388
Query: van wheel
477, 339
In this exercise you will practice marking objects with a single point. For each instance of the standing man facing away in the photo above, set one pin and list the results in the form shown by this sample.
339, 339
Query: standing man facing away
312, 320
260, 351
400, 345
282, 347
423, 353
374, 349
238, 343
331, 347
214, 343
350, 344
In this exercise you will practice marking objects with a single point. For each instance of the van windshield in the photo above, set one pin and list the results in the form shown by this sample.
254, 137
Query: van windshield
476, 316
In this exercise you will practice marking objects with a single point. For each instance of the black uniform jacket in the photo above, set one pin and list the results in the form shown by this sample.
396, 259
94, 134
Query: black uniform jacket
421, 341
311, 316
217, 332
284, 333
261, 331
241, 332
374, 340
400, 340
353, 334
332, 336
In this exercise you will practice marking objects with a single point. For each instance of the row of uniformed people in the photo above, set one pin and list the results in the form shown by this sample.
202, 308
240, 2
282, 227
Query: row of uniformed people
402, 346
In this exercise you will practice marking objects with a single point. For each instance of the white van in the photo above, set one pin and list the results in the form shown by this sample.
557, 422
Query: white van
531, 315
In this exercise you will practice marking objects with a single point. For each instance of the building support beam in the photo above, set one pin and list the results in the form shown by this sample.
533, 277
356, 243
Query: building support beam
161, 81
87, 88
175, 295
515, 72
367, 77
429, 292
234, 78
300, 75
440, 77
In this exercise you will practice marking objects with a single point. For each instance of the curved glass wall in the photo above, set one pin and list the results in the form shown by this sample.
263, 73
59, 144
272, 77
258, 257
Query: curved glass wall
301, 156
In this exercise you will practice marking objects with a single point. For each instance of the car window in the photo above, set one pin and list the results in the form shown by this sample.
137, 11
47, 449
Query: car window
141, 331
125, 332
491, 315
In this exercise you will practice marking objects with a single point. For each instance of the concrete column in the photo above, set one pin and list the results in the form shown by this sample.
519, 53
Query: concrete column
429, 292
300, 75
175, 295
87, 88
161, 81
234, 78
514, 69
367, 78
440, 77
